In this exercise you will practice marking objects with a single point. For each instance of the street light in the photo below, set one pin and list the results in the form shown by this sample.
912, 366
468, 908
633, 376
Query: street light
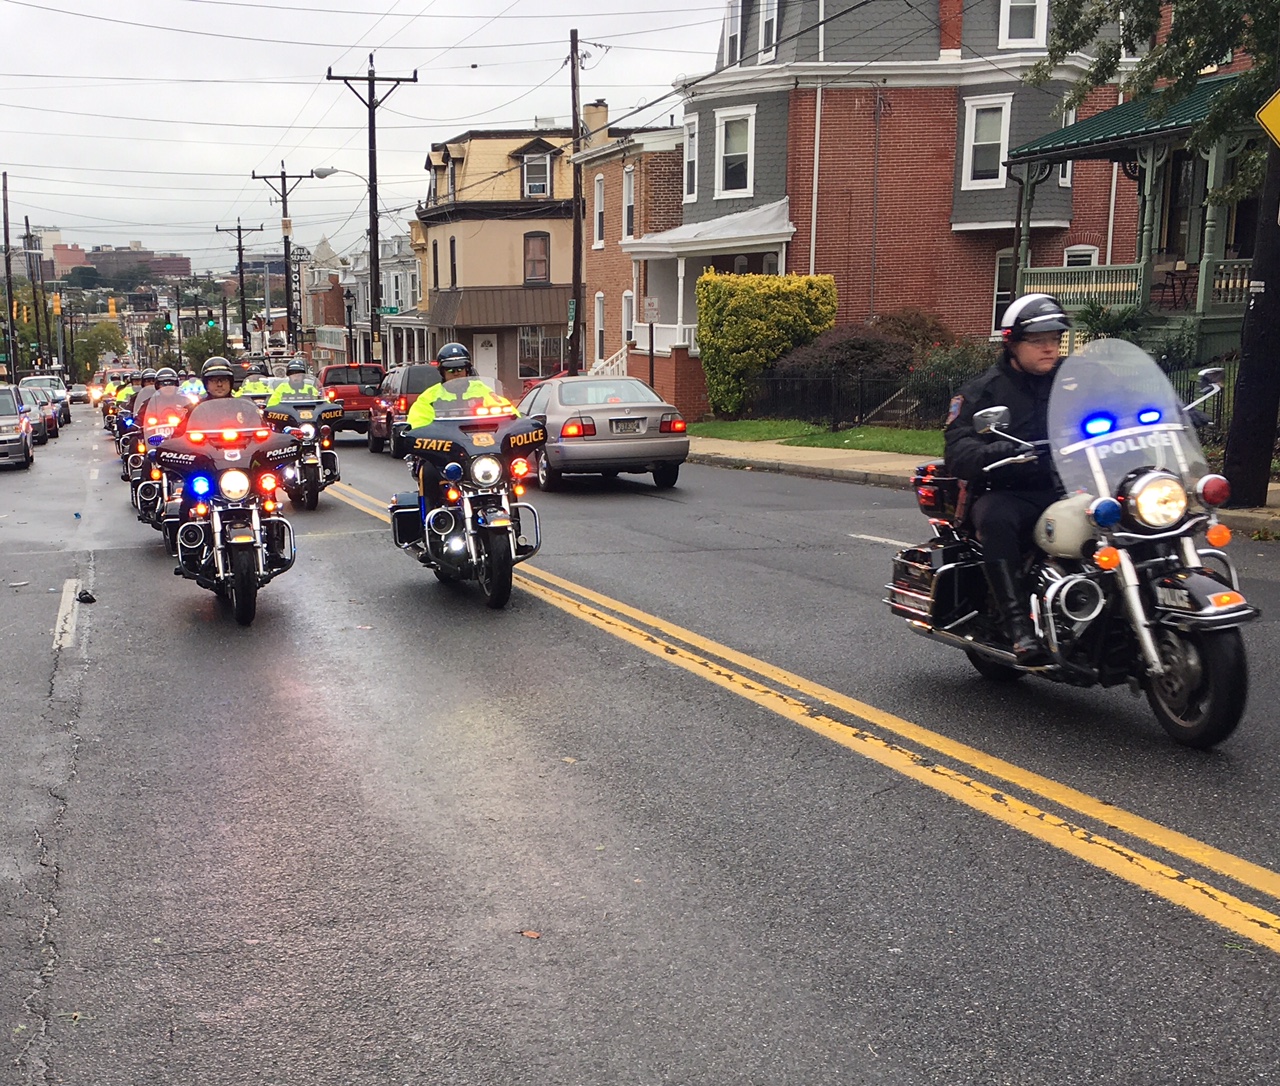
375, 274
349, 298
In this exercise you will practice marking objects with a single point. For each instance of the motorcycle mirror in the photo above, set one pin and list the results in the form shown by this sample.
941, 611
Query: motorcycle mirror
991, 418
1214, 375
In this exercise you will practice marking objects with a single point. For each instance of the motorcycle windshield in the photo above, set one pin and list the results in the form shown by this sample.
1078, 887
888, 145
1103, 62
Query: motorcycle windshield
472, 399
226, 414
1112, 411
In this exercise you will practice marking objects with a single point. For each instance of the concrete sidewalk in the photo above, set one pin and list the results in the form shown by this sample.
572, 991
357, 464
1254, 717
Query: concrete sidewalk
892, 470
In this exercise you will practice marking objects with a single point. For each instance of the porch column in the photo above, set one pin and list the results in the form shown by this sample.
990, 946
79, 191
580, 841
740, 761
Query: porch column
1034, 174
1150, 158
1214, 236
679, 295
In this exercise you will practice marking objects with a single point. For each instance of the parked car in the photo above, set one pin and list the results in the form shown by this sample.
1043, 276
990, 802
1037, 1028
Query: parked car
35, 414
57, 390
49, 409
606, 425
356, 385
17, 446
388, 415
78, 393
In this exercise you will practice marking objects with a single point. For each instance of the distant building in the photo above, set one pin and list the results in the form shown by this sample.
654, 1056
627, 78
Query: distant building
66, 257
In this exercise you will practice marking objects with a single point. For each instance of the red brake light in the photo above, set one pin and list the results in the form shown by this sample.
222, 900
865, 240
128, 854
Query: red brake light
228, 435
402, 405
672, 423
331, 394
196, 437
174, 420
582, 426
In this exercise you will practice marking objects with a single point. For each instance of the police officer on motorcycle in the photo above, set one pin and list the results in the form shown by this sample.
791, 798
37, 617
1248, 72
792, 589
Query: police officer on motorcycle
254, 385
217, 378
453, 361
166, 377
297, 387
1010, 498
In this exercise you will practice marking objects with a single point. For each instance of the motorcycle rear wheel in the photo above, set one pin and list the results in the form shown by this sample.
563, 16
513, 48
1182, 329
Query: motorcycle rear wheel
1201, 697
494, 569
244, 585
993, 670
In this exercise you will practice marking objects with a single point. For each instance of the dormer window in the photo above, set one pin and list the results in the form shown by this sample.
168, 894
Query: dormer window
733, 33
768, 29
453, 178
1023, 24
537, 175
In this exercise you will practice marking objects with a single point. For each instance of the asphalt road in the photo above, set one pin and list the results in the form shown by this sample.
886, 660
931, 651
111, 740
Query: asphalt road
692, 810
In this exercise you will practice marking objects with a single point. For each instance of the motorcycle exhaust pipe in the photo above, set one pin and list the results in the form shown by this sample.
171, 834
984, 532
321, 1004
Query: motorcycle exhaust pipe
191, 536
441, 521
1080, 599
148, 493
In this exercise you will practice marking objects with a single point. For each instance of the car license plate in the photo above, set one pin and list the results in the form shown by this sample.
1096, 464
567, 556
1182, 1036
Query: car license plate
626, 426
360, 415
306, 414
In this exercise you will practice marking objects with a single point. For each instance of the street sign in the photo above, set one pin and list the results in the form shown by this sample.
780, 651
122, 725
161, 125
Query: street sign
1269, 116
388, 310
651, 310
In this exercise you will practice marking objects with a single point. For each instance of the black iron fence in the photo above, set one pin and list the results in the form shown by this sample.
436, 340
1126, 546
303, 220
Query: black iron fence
844, 400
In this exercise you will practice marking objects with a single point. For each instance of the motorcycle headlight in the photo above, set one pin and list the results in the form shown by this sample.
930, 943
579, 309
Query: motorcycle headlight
234, 485
486, 470
1158, 500
308, 431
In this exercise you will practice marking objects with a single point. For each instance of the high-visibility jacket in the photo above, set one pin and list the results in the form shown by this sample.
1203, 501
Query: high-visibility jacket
306, 392
192, 387
422, 412
254, 386
125, 392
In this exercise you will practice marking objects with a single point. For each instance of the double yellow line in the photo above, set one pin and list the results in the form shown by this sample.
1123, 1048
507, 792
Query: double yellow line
1081, 825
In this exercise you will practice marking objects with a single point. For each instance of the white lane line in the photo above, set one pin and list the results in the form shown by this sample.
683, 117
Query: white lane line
93, 473
881, 539
64, 633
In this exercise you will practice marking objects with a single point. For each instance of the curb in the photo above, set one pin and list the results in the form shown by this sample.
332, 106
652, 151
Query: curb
1238, 520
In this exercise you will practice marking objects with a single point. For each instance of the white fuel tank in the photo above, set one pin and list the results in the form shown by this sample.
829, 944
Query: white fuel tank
1064, 527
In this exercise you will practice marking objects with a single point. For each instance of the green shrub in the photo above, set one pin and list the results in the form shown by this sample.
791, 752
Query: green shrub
852, 349
1176, 347
1103, 321
746, 322
939, 374
922, 330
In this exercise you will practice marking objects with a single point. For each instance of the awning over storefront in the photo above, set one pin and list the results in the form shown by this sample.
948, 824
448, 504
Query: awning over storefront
499, 307
764, 227
1113, 132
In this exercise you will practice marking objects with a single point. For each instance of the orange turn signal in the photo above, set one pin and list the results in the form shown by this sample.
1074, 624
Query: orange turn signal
268, 506
1226, 599
156, 473
1218, 536
518, 489
452, 494
200, 510
1106, 558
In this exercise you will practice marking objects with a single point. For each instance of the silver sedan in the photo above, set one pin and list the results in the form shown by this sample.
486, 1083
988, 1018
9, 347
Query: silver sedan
605, 426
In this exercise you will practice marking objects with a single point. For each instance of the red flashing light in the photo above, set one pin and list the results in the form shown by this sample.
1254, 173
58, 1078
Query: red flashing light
1214, 490
402, 405
331, 394
152, 420
267, 483
262, 435
196, 437
520, 467
200, 510
174, 420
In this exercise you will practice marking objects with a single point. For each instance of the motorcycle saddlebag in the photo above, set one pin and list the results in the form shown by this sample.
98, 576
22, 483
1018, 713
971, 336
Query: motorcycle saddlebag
406, 518
937, 582
937, 494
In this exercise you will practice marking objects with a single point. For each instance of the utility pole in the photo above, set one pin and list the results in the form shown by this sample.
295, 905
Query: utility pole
372, 102
286, 231
11, 336
575, 301
37, 301
224, 324
239, 232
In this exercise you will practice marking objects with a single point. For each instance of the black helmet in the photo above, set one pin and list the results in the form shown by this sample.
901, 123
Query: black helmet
296, 366
132, 376
1033, 313
217, 366
453, 356
255, 369
166, 375
148, 374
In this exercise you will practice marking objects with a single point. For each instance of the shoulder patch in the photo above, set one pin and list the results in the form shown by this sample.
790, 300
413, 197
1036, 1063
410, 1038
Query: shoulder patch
953, 412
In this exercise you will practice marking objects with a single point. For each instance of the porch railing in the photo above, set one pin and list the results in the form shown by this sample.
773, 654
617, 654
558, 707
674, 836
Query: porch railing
613, 366
1231, 282
1111, 284
666, 336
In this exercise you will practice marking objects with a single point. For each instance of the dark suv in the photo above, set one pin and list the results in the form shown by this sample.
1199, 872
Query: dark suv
400, 387
16, 443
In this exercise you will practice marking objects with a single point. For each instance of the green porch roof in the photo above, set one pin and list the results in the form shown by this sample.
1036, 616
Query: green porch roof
1110, 132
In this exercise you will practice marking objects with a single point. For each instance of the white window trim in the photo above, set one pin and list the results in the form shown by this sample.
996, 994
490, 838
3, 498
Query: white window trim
524, 176
995, 284
628, 199
732, 14
628, 302
599, 329
597, 216
1042, 25
733, 114
1072, 250
971, 107
769, 49
1064, 170
690, 121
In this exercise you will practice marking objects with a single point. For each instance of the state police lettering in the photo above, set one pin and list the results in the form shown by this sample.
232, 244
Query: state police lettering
531, 438
432, 444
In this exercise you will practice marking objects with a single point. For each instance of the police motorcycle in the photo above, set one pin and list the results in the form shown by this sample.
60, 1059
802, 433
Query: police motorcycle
224, 515
1128, 582
150, 487
308, 421
465, 526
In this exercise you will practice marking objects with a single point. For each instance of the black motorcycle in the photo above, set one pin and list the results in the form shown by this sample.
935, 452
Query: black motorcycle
309, 422
224, 516
150, 487
1118, 589
471, 462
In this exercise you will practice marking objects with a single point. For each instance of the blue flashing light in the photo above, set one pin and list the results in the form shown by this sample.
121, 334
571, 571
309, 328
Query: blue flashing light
1149, 416
453, 472
201, 485
1099, 424
1105, 512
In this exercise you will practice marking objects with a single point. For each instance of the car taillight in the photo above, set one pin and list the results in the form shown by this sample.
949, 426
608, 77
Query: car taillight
402, 405
331, 394
581, 426
672, 423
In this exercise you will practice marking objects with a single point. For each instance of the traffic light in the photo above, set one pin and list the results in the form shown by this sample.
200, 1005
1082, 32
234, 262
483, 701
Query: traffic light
57, 305
168, 322
26, 314
111, 307
209, 321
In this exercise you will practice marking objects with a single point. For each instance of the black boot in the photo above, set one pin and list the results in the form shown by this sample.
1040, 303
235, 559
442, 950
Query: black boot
1012, 604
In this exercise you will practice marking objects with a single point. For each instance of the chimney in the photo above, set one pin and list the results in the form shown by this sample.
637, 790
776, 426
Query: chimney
595, 118
950, 24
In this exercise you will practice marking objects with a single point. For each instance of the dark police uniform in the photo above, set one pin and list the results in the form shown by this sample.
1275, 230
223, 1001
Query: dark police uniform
1013, 497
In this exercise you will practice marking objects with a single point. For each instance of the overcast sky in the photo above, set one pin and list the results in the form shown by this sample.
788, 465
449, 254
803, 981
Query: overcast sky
142, 120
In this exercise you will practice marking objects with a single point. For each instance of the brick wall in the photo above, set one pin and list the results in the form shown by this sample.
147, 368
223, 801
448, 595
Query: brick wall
677, 378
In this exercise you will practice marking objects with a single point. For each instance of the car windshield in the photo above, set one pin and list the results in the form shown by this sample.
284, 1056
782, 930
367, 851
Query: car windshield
8, 402
226, 414
418, 379
1112, 410
581, 393
469, 397
39, 393
44, 382
353, 375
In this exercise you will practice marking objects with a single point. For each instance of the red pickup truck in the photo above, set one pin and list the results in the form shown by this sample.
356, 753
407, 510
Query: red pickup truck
356, 385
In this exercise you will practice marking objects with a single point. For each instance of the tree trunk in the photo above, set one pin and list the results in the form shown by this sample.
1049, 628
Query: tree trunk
1251, 439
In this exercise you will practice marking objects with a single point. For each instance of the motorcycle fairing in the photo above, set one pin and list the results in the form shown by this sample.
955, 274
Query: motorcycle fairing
1198, 597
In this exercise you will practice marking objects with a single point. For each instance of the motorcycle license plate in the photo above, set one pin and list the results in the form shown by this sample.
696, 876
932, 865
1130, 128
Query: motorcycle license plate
626, 426
306, 414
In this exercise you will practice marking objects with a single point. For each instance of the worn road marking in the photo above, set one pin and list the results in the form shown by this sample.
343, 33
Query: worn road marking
708, 658
879, 539
93, 473
64, 630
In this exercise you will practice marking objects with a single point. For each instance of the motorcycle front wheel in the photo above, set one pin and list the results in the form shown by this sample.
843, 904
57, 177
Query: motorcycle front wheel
1200, 698
494, 569
244, 585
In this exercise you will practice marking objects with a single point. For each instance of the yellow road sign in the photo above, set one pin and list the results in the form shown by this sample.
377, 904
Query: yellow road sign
1269, 116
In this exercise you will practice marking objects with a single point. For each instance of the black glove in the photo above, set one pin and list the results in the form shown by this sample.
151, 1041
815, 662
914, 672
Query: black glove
1000, 450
